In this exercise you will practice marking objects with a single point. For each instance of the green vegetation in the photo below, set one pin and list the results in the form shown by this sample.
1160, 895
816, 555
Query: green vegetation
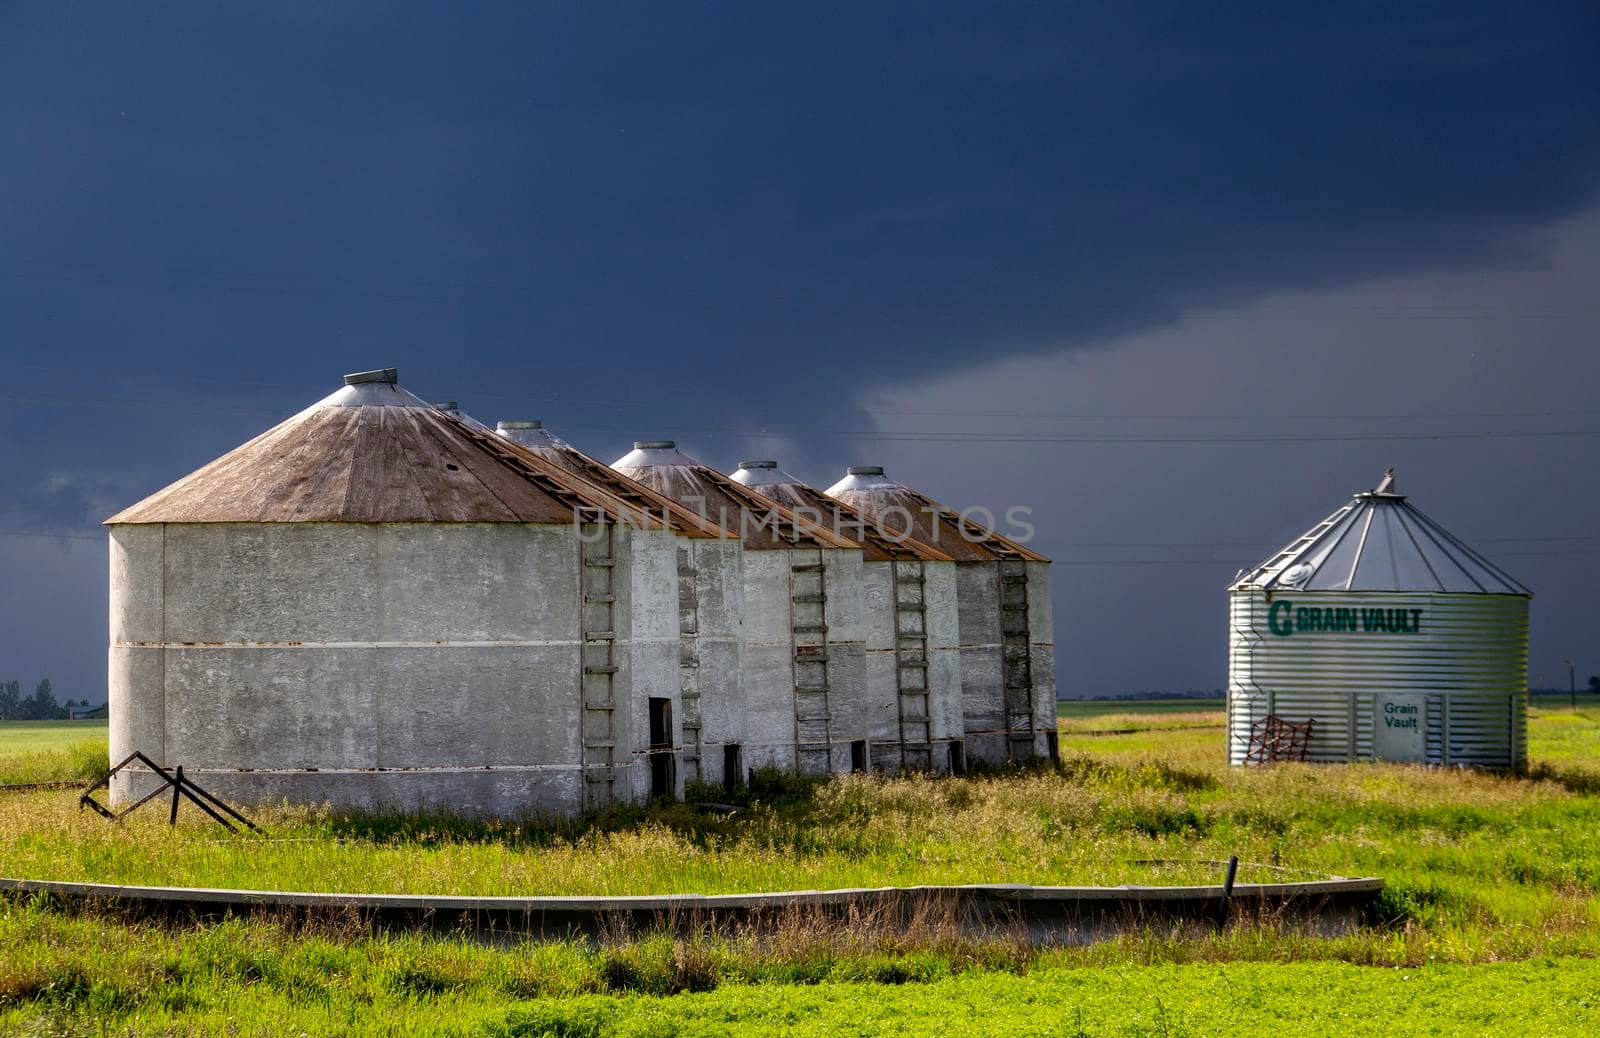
68, 975
1491, 920
40, 706
51, 751
1107, 716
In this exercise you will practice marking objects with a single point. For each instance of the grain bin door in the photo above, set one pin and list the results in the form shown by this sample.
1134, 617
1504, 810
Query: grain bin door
1400, 727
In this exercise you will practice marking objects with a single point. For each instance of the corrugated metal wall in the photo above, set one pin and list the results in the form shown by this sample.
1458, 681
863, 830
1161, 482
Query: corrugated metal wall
1468, 660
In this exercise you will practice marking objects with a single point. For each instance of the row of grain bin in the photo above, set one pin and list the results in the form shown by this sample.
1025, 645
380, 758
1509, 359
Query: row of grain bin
380, 603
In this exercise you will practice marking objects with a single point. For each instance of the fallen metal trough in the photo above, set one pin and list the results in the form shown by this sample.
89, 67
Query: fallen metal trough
1044, 914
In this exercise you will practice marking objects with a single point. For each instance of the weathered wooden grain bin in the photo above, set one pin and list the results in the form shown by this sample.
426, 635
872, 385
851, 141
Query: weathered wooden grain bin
1008, 691
913, 663
376, 605
803, 643
705, 618
1392, 637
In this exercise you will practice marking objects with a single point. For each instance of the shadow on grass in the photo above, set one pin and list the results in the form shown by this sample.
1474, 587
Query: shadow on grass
1572, 778
783, 806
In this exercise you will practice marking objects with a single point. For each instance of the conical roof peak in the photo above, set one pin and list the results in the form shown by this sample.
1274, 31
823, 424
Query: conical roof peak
1379, 541
371, 452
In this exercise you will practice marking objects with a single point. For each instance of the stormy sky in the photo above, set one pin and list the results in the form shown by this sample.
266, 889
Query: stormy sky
1179, 280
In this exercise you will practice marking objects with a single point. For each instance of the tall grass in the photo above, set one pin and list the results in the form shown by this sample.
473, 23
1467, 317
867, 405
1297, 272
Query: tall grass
80, 761
1479, 866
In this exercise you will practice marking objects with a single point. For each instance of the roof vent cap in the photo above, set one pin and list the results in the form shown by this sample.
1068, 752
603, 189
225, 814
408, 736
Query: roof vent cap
763, 464
655, 445
448, 405
389, 375
533, 424
864, 470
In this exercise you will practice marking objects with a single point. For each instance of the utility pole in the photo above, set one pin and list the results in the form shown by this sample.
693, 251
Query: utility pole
1572, 682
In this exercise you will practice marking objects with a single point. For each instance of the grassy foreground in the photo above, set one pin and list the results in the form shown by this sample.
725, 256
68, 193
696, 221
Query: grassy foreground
1491, 922
67, 976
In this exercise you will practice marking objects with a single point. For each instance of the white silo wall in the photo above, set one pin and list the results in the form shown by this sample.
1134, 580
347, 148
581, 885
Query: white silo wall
899, 741
1463, 670
882, 686
846, 666
408, 664
135, 698
1042, 653
768, 654
651, 558
983, 698
711, 610
944, 659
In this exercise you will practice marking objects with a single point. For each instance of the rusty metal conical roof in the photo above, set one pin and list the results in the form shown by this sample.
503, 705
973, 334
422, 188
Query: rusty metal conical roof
373, 453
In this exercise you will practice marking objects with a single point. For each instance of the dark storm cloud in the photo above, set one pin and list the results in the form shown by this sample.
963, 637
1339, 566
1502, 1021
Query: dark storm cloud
712, 217
670, 181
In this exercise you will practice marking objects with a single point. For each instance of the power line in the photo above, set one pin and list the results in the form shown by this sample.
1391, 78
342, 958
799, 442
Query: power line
937, 436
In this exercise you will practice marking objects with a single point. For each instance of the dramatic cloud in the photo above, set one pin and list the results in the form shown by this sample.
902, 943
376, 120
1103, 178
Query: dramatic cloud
736, 223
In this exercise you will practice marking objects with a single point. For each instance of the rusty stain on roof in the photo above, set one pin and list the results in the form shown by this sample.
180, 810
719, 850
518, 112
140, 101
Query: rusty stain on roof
679, 518
727, 504
373, 453
899, 509
860, 528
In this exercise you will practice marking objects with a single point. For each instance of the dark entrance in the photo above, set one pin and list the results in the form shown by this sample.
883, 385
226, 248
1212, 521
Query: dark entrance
732, 767
662, 779
858, 755
958, 757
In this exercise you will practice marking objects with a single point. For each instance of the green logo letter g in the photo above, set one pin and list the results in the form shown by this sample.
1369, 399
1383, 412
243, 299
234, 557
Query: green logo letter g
1280, 626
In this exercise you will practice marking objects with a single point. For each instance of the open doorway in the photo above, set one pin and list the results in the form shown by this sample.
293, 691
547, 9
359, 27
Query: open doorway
663, 780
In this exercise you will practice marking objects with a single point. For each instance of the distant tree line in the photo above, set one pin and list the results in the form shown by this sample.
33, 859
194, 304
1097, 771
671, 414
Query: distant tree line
41, 706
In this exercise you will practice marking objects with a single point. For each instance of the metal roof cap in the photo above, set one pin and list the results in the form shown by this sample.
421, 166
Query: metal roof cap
861, 477
530, 434
357, 378
1379, 542
653, 454
761, 474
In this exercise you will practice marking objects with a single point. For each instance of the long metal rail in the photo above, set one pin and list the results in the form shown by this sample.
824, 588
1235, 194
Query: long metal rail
1047, 915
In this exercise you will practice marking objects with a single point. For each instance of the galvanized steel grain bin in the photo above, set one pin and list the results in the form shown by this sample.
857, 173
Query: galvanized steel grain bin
1393, 637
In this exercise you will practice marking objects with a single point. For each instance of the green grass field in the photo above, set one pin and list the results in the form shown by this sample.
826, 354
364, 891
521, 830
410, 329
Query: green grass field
51, 751
1491, 921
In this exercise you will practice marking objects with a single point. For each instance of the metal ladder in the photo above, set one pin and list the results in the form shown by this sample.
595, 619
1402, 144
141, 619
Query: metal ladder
689, 662
1312, 536
808, 611
911, 667
598, 625
1016, 659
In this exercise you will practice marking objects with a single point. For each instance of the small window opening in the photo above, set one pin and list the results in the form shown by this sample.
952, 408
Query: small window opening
452, 466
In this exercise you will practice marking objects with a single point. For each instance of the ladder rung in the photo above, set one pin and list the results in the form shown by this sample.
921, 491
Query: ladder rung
599, 636
809, 598
599, 599
599, 670
600, 561
807, 567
